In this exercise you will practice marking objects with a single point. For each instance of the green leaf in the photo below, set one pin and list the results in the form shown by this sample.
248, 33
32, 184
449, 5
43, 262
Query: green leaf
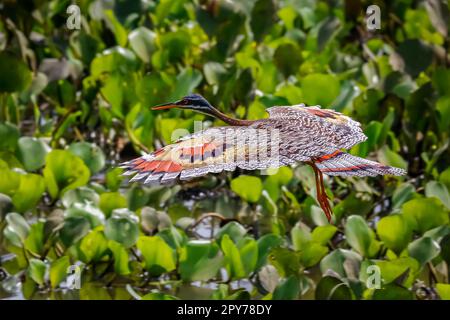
158, 256
233, 229
425, 214
122, 227
392, 291
93, 246
91, 154
393, 269
32, 152
109, 201
14, 74
74, 229
10, 136
424, 249
121, 257
360, 237
233, 260
323, 234
35, 239
286, 261
438, 190
58, 270
158, 296
262, 18
29, 192
247, 187
443, 290
331, 288
389, 157
338, 260
416, 54
200, 261
287, 289
64, 171
17, 229
142, 41
87, 211
395, 232
320, 89
36, 270
83, 195
265, 244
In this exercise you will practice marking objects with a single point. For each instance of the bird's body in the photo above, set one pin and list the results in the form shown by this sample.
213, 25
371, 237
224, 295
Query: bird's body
291, 134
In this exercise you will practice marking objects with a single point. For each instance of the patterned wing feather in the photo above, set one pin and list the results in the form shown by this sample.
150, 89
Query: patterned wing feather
208, 151
339, 130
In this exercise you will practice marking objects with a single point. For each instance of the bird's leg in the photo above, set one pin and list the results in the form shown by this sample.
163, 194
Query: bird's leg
322, 197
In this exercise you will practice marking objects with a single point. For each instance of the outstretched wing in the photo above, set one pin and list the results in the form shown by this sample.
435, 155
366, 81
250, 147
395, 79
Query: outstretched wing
338, 129
211, 150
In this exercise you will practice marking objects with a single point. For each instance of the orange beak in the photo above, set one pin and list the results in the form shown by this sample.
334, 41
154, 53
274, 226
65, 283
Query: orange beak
165, 106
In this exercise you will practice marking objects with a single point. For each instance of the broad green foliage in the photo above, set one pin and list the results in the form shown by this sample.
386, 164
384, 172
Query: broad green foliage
76, 103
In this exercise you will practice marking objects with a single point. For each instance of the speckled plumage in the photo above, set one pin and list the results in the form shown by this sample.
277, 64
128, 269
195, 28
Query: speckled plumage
291, 134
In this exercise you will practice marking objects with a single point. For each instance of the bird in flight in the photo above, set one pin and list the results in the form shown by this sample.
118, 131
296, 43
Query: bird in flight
290, 134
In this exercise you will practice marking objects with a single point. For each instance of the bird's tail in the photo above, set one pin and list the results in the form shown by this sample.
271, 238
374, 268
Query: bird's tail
340, 163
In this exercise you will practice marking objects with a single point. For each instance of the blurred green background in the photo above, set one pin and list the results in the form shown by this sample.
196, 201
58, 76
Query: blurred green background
75, 102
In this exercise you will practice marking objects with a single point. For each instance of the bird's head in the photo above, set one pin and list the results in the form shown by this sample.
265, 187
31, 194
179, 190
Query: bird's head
193, 102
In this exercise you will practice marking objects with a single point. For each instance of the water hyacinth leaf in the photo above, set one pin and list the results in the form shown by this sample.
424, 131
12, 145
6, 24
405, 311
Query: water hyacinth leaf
17, 229
331, 288
9, 180
233, 229
80, 195
64, 171
121, 257
58, 270
93, 246
32, 152
247, 187
91, 154
262, 18
286, 261
320, 89
122, 227
142, 41
74, 229
338, 259
438, 190
392, 291
323, 234
29, 192
91, 213
416, 54
14, 73
424, 249
109, 201
36, 270
395, 232
425, 214
402, 194
265, 244
10, 137
158, 296
360, 236
35, 239
392, 270
443, 290
287, 289
200, 261
248, 249
233, 259
158, 256
312, 254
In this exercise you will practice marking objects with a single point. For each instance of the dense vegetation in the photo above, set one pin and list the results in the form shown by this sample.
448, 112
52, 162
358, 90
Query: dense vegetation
74, 103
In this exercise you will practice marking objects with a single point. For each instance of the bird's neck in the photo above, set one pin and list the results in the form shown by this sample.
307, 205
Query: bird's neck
229, 120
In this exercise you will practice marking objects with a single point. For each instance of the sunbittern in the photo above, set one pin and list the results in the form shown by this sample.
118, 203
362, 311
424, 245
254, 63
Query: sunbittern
291, 134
